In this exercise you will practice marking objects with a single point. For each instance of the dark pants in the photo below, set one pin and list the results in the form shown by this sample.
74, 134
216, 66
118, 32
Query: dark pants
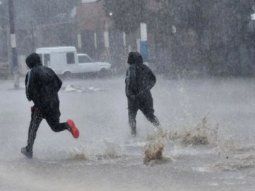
145, 104
52, 119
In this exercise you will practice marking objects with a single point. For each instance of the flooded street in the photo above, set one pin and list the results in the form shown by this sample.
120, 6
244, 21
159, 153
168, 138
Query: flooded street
209, 138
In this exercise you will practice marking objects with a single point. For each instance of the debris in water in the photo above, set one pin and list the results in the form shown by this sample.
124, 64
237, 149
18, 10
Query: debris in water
91, 88
72, 88
154, 149
78, 154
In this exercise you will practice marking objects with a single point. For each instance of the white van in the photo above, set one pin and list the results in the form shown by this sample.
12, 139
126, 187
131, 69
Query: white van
61, 59
64, 60
89, 65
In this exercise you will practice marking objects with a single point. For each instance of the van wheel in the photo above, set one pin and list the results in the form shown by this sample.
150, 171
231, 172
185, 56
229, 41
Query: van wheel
103, 72
67, 75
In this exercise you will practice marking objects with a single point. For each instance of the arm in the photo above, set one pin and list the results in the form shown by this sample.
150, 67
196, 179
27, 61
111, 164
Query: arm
29, 85
131, 84
58, 83
152, 79
150, 82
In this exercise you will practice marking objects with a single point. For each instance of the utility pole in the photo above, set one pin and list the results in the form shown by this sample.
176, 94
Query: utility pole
33, 35
14, 62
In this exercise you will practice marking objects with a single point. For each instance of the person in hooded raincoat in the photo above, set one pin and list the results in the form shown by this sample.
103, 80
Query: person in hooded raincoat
42, 86
139, 81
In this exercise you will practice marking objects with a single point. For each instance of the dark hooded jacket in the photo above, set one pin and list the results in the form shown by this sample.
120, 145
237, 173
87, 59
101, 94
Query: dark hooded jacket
139, 77
42, 85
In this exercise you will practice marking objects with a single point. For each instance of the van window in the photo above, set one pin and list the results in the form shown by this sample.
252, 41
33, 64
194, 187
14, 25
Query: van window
84, 59
70, 58
46, 59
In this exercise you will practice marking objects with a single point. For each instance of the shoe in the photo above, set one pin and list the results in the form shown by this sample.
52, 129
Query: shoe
133, 132
73, 129
28, 154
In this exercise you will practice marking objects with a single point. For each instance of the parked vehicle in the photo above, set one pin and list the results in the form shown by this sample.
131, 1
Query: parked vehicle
89, 65
65, 61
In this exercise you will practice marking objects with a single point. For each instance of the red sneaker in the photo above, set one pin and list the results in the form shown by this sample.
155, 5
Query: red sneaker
73, 129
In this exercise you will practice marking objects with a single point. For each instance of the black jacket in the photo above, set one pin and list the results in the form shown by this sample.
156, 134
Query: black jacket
139, 77
42, 85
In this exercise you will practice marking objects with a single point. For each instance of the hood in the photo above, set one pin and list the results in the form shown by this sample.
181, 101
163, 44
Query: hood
135, 58
33, 60
103, 63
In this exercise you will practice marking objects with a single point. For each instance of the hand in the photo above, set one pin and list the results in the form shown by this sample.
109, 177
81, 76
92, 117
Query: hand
28, 98
140, 94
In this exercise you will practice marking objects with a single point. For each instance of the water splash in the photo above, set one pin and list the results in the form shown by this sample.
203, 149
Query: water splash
155, 147
79, 154
111, 151
202, 134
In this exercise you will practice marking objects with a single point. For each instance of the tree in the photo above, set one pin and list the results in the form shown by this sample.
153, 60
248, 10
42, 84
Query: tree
127, 15
48, 11
44, 23
178, 28
193, 35
3, 30
228, 36
209, 34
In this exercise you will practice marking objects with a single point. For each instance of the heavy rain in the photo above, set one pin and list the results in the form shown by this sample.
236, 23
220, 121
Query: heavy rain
109, 95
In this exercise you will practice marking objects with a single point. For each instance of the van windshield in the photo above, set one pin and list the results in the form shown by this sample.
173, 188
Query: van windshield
84, 59
46, 59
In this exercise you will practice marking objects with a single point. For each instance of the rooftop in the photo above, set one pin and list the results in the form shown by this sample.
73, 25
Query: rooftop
88, 1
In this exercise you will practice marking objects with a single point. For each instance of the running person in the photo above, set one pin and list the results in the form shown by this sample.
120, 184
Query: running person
42, 86
139, 81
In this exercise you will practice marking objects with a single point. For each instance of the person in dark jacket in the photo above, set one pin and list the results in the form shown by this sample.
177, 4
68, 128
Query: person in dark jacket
139, 81
42, 86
